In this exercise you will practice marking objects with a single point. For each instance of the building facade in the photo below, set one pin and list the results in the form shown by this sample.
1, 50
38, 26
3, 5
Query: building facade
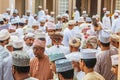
60, 6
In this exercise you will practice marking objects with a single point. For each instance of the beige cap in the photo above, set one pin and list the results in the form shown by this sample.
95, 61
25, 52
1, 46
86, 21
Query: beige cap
75, 42
93, 41
114, 37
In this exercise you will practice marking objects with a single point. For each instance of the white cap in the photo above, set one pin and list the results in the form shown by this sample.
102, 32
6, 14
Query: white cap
116, 14
18, 43
14, 21
42, 19
50, 25
40, 35
104, 8
75, 56
15, 11
39, 6
35, 24
84, 12
8, 9
104, 36
75, 7
20, 58
107, 12
115, 59
88, 19
117, 11
71, 22
81, 19
88, 54
63, 65
59, 16
4, 35
27, 11
52, 12
30, 35
22, 20
51, 19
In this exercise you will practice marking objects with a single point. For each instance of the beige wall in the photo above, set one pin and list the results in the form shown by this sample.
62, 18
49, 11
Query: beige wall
4, 4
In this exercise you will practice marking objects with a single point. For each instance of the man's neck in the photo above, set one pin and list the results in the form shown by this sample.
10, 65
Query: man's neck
88, 70
105, 48
22, 77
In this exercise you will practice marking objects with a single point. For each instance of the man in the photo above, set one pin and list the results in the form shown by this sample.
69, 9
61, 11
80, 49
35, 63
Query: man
106, 21
42, 25
74, 44
103, 65
40, 66
21, 66
15, 15
54, 57
87, 63
57, 44
5, 57
41, 13
30, 18
76, 14
68, 33
64, 69
28, 46
92, 42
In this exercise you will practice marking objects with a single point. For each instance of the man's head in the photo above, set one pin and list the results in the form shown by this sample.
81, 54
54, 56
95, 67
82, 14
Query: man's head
64, 69
57, 38
39, 48
74, 44
39, 8
17, 44
29, 39
20, 62
35, 26
92, 42
4, 37
42, 22
104, 39
71, 24
54, 57
28, 12
114, 40
88, 59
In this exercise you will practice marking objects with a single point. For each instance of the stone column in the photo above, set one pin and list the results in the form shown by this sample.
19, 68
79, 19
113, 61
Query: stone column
44, 4
12, 5
99, 7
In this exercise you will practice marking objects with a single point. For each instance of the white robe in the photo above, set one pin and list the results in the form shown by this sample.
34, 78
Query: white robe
76, 15
106, 23
5, 64
68, 34
31, 20
41, 14
116, 25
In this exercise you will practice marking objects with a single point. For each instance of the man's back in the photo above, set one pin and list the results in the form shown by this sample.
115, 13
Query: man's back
103, 65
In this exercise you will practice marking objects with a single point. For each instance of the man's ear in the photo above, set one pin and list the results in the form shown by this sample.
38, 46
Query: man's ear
13, 70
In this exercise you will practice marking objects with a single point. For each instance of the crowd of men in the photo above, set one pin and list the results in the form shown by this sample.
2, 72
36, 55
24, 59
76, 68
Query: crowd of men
36, 47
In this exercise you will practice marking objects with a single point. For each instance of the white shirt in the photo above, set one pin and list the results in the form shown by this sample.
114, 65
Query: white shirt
61, 49
5, 64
